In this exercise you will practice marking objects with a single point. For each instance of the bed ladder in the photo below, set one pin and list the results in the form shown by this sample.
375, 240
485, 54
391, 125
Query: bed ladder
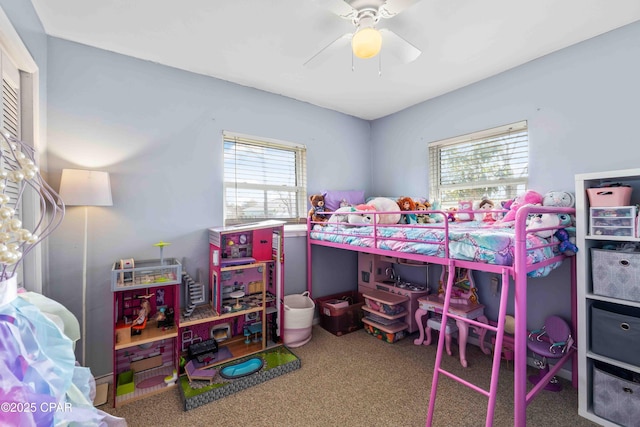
495, 368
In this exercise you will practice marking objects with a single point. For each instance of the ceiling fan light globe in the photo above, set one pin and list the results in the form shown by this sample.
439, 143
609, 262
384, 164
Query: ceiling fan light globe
366, 43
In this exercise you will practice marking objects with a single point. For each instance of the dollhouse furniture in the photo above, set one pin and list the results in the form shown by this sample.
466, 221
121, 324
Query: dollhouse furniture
194, 373
551, 342
508, 250
433, 304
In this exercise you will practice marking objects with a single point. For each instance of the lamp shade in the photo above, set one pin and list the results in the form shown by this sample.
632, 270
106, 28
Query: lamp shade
366, 43
85, 188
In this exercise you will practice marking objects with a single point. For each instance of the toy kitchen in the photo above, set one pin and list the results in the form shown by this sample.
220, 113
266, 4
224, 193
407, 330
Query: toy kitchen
377, 272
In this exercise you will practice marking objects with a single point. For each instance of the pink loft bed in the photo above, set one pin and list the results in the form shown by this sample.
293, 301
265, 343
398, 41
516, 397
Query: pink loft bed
511, 252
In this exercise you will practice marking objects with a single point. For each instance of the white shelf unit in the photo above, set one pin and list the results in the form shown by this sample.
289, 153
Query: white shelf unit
586, 297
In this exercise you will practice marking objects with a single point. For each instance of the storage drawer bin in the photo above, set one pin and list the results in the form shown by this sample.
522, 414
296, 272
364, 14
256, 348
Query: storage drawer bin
613, 221
341, 320
609, 196
616, 394
385, 336
615, 331
616, 274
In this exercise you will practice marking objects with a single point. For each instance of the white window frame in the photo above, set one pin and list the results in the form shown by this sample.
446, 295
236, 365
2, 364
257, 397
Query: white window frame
12, 46
448, 188
231, 185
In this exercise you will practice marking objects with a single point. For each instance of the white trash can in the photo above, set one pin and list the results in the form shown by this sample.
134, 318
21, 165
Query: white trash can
298, 319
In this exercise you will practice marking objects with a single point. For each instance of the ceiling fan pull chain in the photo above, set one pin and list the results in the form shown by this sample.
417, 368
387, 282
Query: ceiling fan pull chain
380, 64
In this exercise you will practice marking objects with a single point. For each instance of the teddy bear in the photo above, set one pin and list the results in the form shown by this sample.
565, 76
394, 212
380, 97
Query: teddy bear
407, 204
317, 206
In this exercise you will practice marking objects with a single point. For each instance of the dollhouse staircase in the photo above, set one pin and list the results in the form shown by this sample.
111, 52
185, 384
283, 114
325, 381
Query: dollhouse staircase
495, 369
195, 293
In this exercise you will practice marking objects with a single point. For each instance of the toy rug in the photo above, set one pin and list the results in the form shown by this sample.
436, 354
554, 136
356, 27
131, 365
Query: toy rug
151, 382
277, 361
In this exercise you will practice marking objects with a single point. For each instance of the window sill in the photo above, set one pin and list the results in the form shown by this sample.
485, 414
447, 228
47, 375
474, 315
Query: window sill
295, 230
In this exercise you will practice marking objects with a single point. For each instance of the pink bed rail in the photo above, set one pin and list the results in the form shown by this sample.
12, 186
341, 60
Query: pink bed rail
517, 271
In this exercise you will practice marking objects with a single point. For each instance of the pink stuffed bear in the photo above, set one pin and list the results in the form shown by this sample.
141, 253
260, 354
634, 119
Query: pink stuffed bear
529, 197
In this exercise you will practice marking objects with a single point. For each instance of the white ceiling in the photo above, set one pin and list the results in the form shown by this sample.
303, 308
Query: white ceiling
264, 43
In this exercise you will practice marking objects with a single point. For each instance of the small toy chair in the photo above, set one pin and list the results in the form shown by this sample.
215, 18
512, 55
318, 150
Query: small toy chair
194, 373
552, 341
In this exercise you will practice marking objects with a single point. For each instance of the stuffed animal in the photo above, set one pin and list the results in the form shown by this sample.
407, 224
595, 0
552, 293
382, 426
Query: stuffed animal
451, 214
341, 214
529, 197
317, 205
407, 204
543, 221
562, 199
384, 204
361, 214
464, 210
566, 246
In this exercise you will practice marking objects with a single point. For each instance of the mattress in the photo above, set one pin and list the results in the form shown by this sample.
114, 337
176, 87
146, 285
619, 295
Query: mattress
469, 241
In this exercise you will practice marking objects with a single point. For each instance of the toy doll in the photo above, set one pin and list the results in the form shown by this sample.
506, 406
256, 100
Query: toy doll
407, 204
423, 218
487, 204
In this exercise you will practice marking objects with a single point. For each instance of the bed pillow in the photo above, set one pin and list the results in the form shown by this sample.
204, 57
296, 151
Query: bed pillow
335, 199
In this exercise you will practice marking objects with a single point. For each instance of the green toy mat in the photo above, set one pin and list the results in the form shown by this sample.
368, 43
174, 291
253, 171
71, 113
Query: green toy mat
277, 361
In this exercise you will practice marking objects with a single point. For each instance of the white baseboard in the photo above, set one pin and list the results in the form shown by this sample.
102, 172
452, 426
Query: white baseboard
108, 378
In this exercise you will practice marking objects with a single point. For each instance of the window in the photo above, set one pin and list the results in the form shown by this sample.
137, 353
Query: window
20, 83
493, 163
263, 179
10, 124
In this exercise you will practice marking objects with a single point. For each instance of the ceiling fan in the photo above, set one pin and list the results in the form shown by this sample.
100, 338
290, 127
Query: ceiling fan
367, 41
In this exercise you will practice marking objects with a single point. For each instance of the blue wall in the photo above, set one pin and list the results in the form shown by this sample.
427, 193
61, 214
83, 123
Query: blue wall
158, 130
581, 105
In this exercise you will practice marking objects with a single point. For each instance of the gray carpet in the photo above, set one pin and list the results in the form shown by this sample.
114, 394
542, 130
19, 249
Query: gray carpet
357, 380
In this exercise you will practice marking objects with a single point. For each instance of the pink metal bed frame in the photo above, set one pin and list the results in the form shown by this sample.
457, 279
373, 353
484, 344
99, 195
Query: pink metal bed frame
518, 271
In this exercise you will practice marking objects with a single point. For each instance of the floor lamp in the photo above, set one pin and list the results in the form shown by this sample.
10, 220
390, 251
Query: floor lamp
85, 188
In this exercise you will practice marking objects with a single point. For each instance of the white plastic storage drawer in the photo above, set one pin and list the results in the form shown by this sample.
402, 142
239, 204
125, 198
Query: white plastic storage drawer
616, 274
616, 394
615, 221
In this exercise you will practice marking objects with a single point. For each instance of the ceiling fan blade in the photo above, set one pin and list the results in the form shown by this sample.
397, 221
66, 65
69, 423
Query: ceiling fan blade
338, 7
393, 7
329, 50
395, 45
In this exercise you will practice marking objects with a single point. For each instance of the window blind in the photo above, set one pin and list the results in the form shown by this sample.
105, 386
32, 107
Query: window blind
263, 179
10, 101
493, 163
